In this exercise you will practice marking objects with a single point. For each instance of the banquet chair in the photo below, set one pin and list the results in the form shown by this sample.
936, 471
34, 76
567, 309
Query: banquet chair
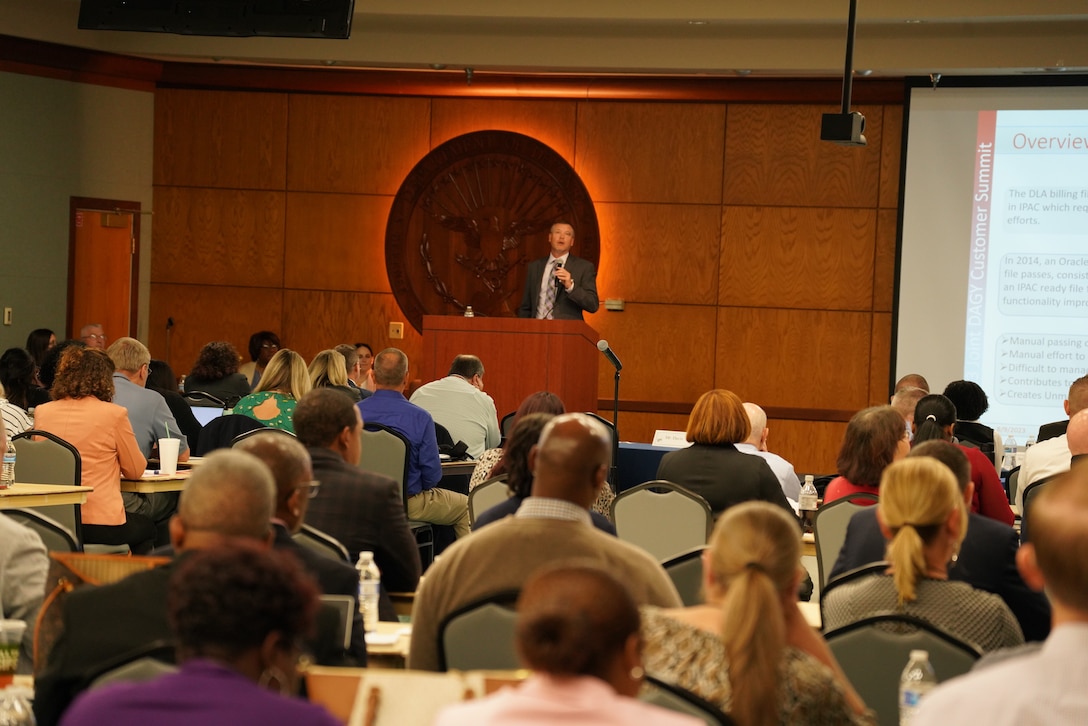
674, 698
663, 518
385, 452
829, 529
45, 458
322, 544
486, 495
253, 432
200, 398
55, 536
1030, 493
872, 655
686, 572
220, 432
506, 424
480, 635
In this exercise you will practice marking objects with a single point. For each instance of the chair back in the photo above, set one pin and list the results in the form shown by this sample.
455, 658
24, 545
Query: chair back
47, 459
480, 635
55, 536
829, 529
1030, 493
386, 452
1012, 484
253, 432
506, 424
201, 398
486, 495
686, 572
663, 518
874, 651
674, 698
322, 544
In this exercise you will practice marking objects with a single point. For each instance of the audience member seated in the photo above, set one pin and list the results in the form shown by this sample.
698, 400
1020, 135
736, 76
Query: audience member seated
93, 335
487, 464
83, 416
238, 615
1043, 686
52, 358
284, 382
578, 631
1051, 457
19, 377
327, 370
16, 420
923, 516
216, 373
161, 380
971, 402
24, 566
38, 344
874, 438
935, 418
987, 558
362, 510
427, 502
358, 380
756, 444
712, 467
749, 649
151, 420
289, 463
459, 403
912, 380
231, 497
570, 465
522, 439
904, 401
262, 346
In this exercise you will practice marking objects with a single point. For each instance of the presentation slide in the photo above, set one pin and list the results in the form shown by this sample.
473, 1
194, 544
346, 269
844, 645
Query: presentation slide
994, 251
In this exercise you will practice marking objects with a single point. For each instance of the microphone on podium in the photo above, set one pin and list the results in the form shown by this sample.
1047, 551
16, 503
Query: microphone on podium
602, 345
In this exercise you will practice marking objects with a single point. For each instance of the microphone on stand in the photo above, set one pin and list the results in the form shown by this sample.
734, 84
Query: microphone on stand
602, 345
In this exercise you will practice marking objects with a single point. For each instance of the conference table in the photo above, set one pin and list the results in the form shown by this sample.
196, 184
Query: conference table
19, 496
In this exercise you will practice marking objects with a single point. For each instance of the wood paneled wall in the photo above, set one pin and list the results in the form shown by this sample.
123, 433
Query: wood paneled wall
751, 256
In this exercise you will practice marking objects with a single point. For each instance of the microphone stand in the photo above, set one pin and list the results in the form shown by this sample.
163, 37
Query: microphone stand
615, 433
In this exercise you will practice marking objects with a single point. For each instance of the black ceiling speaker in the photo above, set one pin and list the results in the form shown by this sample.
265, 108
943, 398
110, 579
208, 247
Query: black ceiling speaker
232, 18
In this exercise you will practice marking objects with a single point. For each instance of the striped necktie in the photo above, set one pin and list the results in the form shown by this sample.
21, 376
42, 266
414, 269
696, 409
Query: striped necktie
549, 294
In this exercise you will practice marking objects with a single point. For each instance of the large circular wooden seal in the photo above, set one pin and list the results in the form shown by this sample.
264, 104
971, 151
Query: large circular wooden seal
471, 215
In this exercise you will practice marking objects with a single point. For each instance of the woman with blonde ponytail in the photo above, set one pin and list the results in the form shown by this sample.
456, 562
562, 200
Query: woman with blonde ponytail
923, 517
748, 648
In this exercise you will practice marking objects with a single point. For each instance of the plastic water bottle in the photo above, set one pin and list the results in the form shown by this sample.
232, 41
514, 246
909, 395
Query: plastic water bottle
15, 706
1009, 462
917, 680
808, 500
1029, 443
370, 581
468, 312
7, 475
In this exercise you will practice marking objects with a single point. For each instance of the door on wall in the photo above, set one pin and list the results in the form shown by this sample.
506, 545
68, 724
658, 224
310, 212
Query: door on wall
103, 265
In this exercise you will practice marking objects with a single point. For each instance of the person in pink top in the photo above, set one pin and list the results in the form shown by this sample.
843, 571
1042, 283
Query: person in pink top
578, 630
82, 415
875, 437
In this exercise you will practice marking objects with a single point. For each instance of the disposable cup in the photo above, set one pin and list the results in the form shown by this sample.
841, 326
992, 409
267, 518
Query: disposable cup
11, 635
168, 455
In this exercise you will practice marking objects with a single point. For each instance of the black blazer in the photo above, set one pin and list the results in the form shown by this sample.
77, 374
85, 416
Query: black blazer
365, 512
987, 561
334, 578
722, 476
568, 306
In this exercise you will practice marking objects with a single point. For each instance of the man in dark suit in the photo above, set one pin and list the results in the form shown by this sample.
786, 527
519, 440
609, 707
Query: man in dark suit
364, 511
987, 557
231, 496
295, 485
560, 286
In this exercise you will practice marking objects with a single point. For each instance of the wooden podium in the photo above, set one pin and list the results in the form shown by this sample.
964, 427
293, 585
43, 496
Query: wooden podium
520, 356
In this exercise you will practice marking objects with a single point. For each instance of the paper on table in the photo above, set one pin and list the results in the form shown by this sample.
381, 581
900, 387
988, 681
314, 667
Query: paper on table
374, 638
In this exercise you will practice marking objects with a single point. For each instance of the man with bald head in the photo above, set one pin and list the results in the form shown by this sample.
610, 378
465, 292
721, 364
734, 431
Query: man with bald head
570, 464
1045, 685
1052, 456
291, 468
231, 496
756, 445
